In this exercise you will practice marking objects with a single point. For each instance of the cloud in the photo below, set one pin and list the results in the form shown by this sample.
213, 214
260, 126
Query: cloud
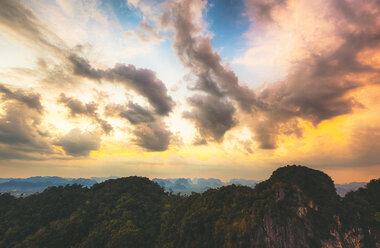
143, 81
18, 20
333, 46
195, 51
145, 32
153, 136
89, 109
134, 3
136, 114
301, 95
212, 116
199, 141
79, 143
21, 135
363, 143
18, 126
150, 131
319, 87
20, 23
32, 100
262, 10
77, 107
218, 81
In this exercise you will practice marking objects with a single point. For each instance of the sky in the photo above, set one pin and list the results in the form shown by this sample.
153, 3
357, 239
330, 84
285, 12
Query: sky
189, 88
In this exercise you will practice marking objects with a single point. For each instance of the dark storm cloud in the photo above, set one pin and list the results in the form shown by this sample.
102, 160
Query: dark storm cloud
79, 143
89, 109
32, 100
136, 114
212, 116
143, 81
152, 136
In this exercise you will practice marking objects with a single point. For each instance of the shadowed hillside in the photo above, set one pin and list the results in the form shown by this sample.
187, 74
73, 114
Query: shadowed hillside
295, 207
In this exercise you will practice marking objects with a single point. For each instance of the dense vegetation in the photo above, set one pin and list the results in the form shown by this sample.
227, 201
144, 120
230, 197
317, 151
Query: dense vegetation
136, 212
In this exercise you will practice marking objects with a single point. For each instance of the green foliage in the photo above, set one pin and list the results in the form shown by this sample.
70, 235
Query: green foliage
124, 212
136, 212
302, 186
377, 216
361, 208
314, 184
216, 218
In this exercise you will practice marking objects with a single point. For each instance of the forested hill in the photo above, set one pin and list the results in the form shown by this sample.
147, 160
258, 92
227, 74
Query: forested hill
22, 187
295, 207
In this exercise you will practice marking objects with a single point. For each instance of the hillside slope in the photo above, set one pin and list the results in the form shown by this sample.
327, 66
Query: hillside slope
295, 207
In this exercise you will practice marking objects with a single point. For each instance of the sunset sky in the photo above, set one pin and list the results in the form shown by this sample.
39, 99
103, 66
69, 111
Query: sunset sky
189, 88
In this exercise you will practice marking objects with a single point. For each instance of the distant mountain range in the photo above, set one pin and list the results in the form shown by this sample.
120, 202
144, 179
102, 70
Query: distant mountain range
199, 185
343, 189
31, 185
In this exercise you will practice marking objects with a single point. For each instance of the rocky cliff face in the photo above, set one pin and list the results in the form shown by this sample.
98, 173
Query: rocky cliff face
296, 215
296, 208
287, 233
350, 239
298, 231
